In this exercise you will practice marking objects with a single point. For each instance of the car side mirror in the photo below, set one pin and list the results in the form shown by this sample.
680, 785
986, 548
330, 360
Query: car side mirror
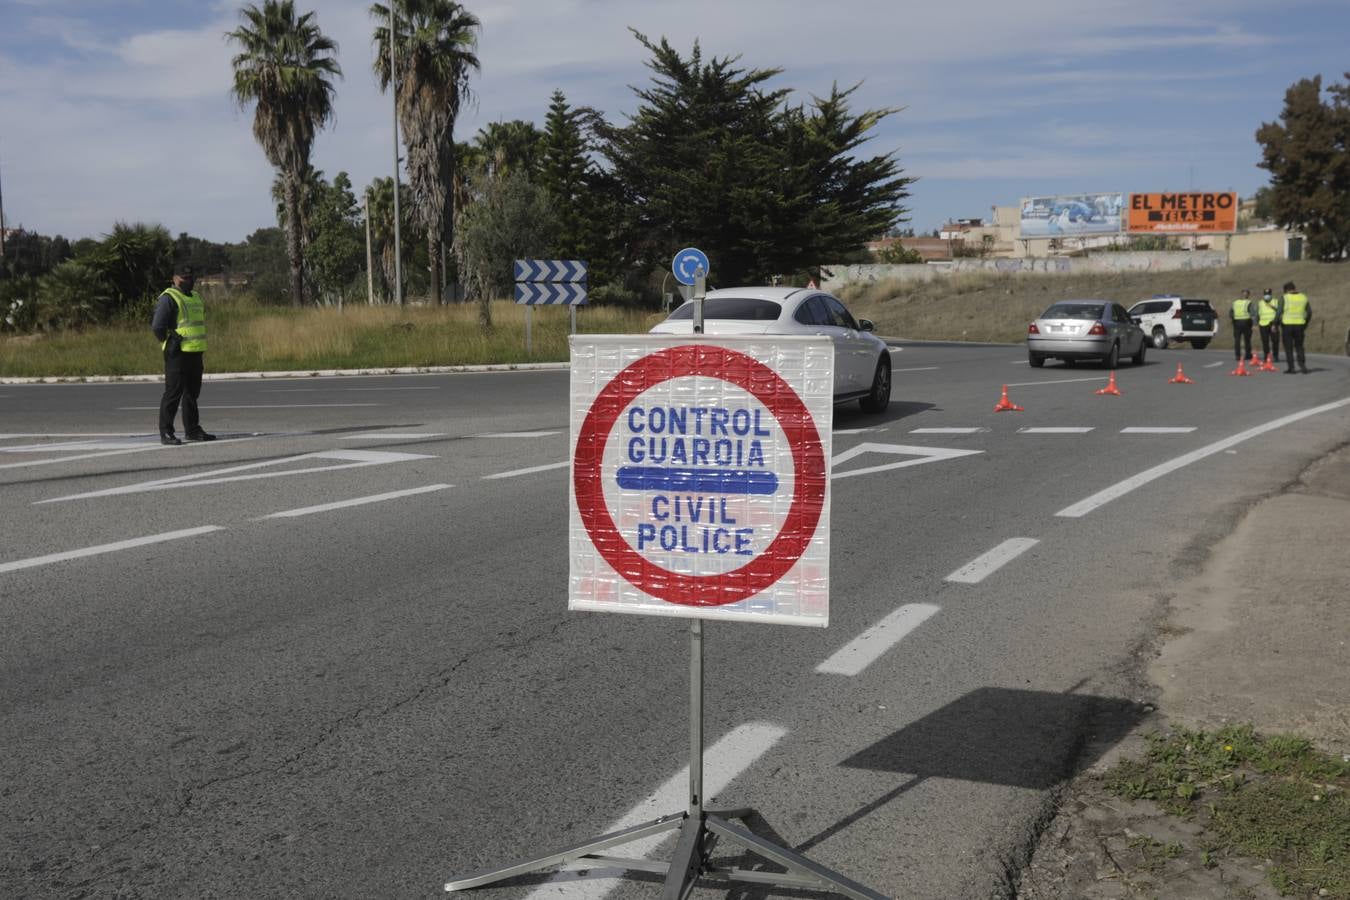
865, 325
1136, 320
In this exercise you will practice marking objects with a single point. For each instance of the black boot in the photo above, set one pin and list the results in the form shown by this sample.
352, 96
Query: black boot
169, 439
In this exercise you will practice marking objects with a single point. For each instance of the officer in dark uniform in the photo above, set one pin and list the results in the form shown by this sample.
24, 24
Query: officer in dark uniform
180, 325
1295, 314
1241, 317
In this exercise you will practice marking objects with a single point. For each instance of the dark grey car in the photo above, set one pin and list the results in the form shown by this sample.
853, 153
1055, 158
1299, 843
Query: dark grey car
1074, 330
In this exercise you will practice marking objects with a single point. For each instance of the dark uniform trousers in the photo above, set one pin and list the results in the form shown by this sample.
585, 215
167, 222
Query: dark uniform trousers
1270, 341
1293, 343
182, 382
1242, 332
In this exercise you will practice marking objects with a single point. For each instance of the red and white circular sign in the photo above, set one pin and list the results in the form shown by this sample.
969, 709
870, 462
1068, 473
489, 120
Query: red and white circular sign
700, 475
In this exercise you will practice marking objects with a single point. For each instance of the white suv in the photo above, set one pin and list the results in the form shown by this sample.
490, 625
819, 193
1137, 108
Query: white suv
1168, 319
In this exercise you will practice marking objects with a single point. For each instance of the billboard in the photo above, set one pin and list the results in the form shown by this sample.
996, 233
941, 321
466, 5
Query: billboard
1071, 215
1190, 212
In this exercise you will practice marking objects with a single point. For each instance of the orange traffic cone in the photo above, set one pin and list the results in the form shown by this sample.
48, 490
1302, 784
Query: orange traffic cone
1241, 369
1111, 386
1267, 365
1006, 405
1180, 377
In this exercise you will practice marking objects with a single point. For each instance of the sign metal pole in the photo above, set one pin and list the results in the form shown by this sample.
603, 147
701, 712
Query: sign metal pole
528, 319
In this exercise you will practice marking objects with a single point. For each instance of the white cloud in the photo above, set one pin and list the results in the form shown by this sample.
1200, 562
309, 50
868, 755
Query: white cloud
138, 124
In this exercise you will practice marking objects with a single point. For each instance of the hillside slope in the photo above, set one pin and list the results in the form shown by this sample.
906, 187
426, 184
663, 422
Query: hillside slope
998, 307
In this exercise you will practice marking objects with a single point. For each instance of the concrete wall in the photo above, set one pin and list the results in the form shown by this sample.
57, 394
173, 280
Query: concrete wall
1251, 246
1148, 261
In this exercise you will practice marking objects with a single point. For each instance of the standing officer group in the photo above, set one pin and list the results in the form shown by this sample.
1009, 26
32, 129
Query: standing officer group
180, 325
1286, 318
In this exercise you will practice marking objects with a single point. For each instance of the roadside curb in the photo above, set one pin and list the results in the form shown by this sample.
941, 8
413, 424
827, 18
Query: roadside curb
314, 373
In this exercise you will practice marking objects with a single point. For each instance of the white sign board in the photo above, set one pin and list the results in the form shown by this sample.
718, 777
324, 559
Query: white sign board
700, 476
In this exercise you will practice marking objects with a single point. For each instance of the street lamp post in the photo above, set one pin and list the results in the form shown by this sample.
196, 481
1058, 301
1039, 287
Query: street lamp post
398, 241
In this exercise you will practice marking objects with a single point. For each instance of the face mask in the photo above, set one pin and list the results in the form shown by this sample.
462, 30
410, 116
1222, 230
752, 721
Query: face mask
187, 285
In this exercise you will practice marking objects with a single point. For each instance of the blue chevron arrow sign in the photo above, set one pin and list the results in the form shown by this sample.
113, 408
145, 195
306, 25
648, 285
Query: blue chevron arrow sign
554, 270
543, 293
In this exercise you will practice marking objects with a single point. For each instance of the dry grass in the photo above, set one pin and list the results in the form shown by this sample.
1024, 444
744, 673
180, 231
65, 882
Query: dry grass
990, 307
245, 337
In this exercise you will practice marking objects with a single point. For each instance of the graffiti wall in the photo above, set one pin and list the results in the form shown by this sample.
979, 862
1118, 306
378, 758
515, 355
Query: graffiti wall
1143, 261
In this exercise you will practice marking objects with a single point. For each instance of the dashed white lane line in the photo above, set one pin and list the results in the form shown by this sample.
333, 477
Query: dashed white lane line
919, 369
1068, 429
722, 763
872, 644
139, 449
72, 434
530, 471
402, 435
515, 434
1121, 488
984, 565
335, 390
1057, 381
107, 548
947, 430
79, 446
839, 431
265, 406
1213, 365
1158, 430
356, 501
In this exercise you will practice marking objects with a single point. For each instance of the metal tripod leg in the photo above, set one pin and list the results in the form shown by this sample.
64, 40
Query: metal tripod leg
587, 850
799, 867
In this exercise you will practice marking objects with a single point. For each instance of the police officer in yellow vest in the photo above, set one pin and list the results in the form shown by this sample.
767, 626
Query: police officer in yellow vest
1241, 317
1295, 314
180, 326
1268, 321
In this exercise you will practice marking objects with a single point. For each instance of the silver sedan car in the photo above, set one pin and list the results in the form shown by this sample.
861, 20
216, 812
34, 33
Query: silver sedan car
1075, 330
862, 361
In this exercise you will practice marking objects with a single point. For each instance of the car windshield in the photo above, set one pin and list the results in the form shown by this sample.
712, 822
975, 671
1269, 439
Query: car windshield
746, 308
1073, 311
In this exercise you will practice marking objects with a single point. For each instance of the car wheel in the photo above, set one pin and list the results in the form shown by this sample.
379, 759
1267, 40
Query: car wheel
1113, 358
1138, 358
880, 396
1036, 360
1200, 343
1159, 338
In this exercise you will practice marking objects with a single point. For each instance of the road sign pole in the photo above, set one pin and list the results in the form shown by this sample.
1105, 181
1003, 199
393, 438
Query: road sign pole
700, 289
528, 319
573, 308
696, 718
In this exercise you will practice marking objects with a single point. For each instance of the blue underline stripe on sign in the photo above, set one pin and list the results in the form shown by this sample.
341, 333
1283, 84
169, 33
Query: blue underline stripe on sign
719, 481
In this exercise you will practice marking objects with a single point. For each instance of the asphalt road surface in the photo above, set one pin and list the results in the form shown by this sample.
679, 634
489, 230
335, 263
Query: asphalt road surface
221, 676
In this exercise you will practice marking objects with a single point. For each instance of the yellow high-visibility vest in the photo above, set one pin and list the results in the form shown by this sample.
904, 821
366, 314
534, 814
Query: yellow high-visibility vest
1242, 310
1295, 309
1265, 312
191, 325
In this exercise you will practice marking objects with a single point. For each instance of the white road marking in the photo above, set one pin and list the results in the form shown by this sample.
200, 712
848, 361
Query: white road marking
1121, 488
107, 548
515, 434
919, 369
79, 446
1212, 365
986, 564
72, 434
722, 763
265, 406
923, 454
854, 430
530, 471
873, 643
356, 501
326, 390
350, 459
1072, 429
947, 430
1058, 381
403, 435
138, 449
1159, 430
1020, 362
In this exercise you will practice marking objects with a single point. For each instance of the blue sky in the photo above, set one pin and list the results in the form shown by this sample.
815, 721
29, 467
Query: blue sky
120, 110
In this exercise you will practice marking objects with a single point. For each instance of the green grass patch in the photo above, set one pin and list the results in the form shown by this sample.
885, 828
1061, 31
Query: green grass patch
245, 337
1269, 797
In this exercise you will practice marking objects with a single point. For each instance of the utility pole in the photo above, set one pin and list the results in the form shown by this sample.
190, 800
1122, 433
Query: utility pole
2, 221
370, 259
393, 83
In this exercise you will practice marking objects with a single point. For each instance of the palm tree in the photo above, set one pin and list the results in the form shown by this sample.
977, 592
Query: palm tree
436, 42
516, 146
285, 67
381, 192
